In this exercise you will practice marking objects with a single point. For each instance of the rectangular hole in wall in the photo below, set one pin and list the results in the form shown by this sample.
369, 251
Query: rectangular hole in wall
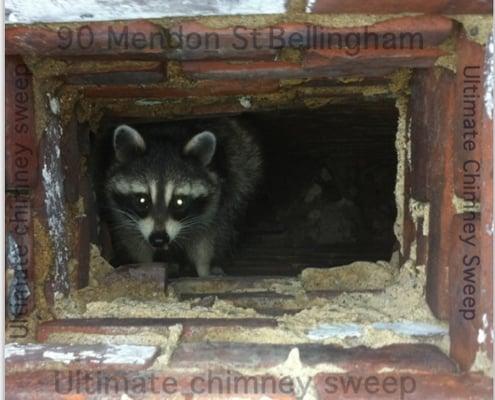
327, 197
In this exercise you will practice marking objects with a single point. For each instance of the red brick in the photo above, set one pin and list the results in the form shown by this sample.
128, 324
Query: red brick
95, 39
156, 385
47, 41
152, 72
432, 115
122, 326
317, 63
404, 386
433, 30
463, 328
398, 7
21, 161
411, 358
49, 203
201, 89
487, 222
408, 228
227, 43
342, 62
229, 108
19, 235
98, 356
248, 70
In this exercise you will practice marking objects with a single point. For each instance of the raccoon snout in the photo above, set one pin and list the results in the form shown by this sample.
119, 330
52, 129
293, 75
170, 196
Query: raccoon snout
159, 239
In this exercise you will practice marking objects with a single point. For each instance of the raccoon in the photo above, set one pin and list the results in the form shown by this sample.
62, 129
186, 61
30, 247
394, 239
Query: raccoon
179, 189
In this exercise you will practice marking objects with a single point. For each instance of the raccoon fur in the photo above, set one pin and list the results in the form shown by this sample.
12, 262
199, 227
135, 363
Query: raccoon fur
179, 189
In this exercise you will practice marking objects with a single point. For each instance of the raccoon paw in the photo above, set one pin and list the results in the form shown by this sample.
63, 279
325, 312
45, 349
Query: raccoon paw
217, 271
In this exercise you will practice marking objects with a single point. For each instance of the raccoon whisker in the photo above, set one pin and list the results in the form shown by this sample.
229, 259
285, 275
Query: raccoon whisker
129, 229
125, 224
124, 213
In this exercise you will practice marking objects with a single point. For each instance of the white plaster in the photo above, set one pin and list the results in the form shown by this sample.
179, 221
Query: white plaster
489, 76
402, 147
14, 349
310, 5
245, 102
339, 331
17, 349
461, 207
128, 354
421, 210
17, 284
411, 328
54, 104
29, 11
13, 256
52, 177
481, 336
482, 331
484, 320
90, 354
60, 356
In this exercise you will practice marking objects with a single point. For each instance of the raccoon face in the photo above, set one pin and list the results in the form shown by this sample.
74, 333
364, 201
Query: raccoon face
161, 192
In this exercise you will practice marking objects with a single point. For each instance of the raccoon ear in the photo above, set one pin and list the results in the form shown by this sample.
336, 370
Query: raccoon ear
202, 146
127, 142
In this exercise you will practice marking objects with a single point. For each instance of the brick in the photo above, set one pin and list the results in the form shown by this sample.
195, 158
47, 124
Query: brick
149, 385
465, 325
70, 156
321, 63
404, 386
92, 39
264, 302
21, 161
399, 7
487, 224
201, 89
343, 62
98, 356
433, 112
121, 326
20, 254
411, 358
248, 70
230, 108
49, 203
225, 284
47, 41
151, 72
408, 229
433, 30
229, 43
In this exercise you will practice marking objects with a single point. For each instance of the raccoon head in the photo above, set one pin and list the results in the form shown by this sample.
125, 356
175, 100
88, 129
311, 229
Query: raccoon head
163, 192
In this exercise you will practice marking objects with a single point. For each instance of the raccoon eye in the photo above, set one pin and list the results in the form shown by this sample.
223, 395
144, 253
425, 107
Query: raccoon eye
142, 203
179, 205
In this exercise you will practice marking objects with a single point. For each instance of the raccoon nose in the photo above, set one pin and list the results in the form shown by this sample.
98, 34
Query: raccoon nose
159, 239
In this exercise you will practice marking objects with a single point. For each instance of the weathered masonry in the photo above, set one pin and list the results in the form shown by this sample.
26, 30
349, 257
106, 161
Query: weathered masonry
376, 118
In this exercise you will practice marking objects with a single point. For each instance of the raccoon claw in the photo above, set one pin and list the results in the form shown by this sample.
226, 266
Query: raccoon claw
217, 271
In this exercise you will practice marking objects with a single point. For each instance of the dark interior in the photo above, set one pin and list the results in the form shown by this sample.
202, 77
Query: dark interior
328, 194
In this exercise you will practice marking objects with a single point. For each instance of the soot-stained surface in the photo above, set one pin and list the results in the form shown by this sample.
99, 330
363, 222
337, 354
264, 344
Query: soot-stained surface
328, 195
